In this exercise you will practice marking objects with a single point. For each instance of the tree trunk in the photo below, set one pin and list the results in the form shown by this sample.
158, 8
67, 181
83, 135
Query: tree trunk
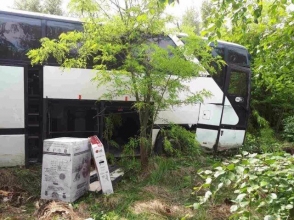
144, 138
143, 151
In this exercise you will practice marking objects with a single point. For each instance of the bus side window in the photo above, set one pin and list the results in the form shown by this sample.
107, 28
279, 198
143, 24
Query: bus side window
218, 51
218, 75
18, 35
165, 41
55, 28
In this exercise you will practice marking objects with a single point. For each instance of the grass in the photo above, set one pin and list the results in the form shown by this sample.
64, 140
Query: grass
26, 186
164, 191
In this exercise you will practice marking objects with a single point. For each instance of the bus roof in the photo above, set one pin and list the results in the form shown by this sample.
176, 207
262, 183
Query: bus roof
226, 43
220, 42
39, 15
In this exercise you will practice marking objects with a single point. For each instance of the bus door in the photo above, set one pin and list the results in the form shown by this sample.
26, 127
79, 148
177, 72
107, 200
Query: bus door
236, 107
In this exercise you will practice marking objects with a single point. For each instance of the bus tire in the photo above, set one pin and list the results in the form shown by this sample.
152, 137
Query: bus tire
158, 146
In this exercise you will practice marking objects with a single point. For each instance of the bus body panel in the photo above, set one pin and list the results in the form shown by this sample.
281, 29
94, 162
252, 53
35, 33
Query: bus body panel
12, 116
230, 138
229, 116
206, 137
188, 114
11, 97
210, 114
12, 150
154, 135
74, 83
200, 83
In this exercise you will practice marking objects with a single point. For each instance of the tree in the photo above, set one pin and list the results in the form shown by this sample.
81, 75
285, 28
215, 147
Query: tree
191, 18
46, 6
206, 12
53, 7
122, 44
28, 5
265, 28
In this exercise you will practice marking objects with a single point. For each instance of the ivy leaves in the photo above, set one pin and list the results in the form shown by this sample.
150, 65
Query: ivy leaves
262, 185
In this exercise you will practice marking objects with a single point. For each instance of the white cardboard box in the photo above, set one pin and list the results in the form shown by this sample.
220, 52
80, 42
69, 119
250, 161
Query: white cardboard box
65, 169
101, 165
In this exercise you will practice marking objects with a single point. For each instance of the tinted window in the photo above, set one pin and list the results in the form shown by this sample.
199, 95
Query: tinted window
217, 51
18, 35
55, 28
218, 75
66, 119
238, 84
237, 56
163, 41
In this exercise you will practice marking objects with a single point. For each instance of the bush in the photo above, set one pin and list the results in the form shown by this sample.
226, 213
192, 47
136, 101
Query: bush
288, 132
180, 141
264, 142
263, 185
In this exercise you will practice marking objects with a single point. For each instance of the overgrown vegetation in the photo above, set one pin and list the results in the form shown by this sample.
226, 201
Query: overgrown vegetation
178, 141
161, 193
112, 122
262, 183
288, 132
263, 141
265, 28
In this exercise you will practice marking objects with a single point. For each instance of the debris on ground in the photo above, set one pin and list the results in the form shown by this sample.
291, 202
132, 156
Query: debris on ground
56, 210
161, 209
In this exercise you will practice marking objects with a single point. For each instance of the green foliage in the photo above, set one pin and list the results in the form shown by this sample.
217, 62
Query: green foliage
263, 185
206, 12
288, 132
162, 167
180, 141
265, 28
264, 141
46, 6
112, 122
191, 18
128, 160
28, 5
53, 7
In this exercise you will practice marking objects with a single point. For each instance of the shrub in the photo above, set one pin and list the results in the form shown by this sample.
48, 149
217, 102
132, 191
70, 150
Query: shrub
263, 185
180, 141
264, 142
288, 132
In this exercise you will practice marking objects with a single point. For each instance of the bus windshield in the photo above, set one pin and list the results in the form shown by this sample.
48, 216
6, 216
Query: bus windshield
231, 53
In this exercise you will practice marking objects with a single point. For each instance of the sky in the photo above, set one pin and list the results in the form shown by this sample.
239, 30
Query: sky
177, 10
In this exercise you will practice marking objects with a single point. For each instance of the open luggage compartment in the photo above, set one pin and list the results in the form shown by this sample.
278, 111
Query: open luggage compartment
85, 118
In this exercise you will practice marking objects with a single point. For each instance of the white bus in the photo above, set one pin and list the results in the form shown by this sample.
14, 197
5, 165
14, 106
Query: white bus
44, 102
